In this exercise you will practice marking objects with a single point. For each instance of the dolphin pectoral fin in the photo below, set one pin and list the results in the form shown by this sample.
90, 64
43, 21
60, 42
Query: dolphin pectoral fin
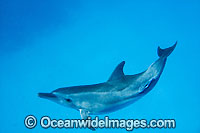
118, 72
84, 115
166, 52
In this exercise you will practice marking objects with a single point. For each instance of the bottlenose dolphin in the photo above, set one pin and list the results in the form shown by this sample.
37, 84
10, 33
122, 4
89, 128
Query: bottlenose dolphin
119, 91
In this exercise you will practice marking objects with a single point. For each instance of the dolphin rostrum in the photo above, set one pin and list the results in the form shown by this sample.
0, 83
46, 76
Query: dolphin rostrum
119, 91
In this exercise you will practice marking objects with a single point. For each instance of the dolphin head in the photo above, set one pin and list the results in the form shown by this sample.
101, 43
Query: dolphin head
58, 98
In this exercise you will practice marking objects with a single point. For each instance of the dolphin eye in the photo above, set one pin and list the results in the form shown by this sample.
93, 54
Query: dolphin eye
68, 100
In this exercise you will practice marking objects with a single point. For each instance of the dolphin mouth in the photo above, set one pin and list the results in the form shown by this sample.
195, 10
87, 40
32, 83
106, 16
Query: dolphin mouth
47, 95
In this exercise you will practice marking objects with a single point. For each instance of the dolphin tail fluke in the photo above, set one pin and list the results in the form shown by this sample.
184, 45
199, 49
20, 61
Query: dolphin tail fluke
166, 52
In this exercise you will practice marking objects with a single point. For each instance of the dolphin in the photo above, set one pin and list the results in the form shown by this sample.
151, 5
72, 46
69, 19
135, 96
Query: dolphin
118, 91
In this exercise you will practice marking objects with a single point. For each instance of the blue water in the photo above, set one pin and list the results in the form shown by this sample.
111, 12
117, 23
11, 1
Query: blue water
49, 44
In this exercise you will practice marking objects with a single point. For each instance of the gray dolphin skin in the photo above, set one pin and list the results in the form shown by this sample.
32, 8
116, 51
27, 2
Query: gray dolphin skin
119, 91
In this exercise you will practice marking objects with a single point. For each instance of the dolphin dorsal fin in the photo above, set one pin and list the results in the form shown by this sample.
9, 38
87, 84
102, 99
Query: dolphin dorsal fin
118, 72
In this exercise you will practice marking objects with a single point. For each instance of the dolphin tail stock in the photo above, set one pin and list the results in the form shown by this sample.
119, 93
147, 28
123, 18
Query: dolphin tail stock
166, 52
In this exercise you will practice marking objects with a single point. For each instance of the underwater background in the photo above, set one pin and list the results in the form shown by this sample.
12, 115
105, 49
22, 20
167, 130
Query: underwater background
45, 45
